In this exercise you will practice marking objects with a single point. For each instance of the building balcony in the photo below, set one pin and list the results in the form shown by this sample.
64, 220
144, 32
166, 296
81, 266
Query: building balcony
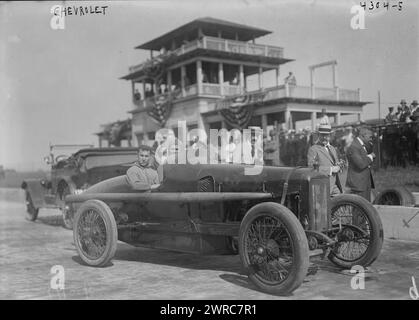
306, 92
217, 91
222, 45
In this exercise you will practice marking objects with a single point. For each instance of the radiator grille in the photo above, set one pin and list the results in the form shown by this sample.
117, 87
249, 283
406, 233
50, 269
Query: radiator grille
206, 184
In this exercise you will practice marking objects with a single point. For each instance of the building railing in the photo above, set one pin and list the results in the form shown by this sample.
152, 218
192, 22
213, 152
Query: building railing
306, 92
219, 44
282, 91
234, 46
211, 89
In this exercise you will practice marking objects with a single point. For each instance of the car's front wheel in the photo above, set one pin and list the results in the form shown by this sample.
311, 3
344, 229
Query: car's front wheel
273, 248
67, 210
31, 210
95, 233
357, 228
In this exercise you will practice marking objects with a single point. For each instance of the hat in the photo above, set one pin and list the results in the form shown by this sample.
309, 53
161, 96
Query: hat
324, 128
403, 101
415, 102
390, 108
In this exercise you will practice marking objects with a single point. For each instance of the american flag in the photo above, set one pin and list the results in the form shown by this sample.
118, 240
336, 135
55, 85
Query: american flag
160, 111
237, 111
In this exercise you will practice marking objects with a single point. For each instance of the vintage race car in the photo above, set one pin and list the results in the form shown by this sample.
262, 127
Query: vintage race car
275, 220
72, 174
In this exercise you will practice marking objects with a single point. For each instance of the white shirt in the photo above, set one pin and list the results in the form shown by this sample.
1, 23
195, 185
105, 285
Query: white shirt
363, 144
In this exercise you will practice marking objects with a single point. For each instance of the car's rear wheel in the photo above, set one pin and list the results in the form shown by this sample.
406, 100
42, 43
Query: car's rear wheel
357, 228
95, 233
273, 248
31, 210
396, 196
67, 210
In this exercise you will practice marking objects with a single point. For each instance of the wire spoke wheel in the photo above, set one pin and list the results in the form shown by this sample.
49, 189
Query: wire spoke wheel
352, 242
67, 210
390, 198
357, 229
273, 248
95, 233
395, 196
92, 234
269, 249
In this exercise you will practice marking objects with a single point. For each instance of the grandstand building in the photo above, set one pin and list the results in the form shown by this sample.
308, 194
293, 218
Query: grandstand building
201, 72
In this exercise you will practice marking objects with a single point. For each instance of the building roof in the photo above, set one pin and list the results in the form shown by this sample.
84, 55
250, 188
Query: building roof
208, 24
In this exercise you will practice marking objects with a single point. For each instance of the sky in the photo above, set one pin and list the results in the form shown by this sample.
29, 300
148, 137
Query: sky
59, 86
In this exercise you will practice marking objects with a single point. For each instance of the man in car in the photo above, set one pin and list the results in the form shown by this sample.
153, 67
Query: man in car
141, 176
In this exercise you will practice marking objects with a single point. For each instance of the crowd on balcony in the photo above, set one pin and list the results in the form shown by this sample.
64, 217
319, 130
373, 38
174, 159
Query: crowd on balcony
404, 112
399, 145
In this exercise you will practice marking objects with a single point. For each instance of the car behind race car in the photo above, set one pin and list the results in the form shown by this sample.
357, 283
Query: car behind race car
71, 174
275, 220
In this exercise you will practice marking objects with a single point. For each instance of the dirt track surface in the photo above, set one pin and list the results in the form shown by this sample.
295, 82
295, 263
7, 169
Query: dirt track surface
28, 250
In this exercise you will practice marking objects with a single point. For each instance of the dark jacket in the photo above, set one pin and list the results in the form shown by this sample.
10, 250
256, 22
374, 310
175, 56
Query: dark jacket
359, 171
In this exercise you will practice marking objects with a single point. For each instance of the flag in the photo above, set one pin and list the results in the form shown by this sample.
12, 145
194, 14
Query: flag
237, 111
160, 110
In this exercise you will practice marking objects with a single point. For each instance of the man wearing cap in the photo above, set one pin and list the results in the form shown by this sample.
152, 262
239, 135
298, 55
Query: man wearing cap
141, 176
360, 180
405, 114
414, 110
324, 155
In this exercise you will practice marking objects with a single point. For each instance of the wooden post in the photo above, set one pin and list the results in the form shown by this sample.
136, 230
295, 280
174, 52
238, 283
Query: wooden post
260, 78
277, 76
338, 118
313, 120
199, 76
182, 80
288, 120
265, 124
312, 94
241, 78
221, 78
169, 80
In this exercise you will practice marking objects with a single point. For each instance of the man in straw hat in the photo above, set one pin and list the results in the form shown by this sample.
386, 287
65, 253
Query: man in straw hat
324, 155
360, 180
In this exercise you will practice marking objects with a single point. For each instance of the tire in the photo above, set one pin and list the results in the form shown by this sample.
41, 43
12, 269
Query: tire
368, 230
271, 248
67, 210
397, 196
31, 211
105, 230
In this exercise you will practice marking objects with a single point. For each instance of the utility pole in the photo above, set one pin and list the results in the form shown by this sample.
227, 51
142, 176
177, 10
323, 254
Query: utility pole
379, 105
379, 130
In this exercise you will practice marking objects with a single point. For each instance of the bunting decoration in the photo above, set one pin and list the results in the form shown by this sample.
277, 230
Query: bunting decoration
161, 109
237, 111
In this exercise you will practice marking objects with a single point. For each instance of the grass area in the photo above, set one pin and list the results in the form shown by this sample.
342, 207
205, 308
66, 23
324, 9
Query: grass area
395, 176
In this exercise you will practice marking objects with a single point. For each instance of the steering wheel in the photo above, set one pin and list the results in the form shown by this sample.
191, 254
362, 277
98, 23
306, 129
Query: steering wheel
60, 157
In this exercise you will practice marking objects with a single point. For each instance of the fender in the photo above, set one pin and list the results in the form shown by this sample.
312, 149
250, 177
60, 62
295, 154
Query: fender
64, 180
36, 190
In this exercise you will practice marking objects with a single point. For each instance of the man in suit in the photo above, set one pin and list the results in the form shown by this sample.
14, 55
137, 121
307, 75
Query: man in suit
324, 156
359, 180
